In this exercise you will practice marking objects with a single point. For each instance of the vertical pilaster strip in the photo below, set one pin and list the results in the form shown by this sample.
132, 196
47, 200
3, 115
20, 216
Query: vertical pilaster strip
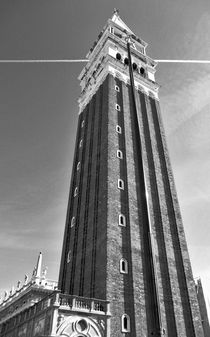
90, 210
101, 242
96, 201
115, 281
63, 266
85, 203
74, 236
160, 240
125, 231
135, 230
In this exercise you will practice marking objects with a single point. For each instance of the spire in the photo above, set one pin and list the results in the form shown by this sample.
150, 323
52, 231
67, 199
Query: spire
39, 266
117, 20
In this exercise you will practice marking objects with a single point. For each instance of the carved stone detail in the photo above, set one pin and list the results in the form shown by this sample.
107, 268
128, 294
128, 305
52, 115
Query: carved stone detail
86, 326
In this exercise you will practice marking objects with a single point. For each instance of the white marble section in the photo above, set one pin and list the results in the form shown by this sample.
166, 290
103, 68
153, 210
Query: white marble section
103, 60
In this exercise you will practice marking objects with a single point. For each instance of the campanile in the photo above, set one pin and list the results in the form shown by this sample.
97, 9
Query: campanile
124, 240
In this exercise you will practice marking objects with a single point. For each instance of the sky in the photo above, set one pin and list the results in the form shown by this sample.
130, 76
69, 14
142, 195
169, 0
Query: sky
39, 111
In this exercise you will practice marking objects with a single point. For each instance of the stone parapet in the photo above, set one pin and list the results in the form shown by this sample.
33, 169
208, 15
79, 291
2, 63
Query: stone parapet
46, 316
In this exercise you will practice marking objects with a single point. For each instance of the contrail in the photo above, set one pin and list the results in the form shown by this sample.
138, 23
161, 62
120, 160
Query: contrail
42, 61
85, 60
183, 61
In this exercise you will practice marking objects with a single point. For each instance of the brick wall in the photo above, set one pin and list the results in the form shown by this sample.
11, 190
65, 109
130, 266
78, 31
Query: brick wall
97, 242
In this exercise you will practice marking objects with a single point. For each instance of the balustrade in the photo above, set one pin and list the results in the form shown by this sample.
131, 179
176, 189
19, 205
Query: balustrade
83, 303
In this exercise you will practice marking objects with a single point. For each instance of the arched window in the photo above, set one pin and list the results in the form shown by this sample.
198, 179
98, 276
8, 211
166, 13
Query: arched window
75, 191
83, 123
119, 154
120, 184
73, 221
122, 220
123, 266
125, 323
80, 143
78, 166
118, 129
69, 256
117, 107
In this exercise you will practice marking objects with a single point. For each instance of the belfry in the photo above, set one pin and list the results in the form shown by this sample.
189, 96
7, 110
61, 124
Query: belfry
125, 269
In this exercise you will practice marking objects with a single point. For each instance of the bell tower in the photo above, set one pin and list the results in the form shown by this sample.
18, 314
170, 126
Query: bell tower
124, 240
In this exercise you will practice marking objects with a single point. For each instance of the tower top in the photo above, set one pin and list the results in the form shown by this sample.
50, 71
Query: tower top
109, 55
120, 26
118, 21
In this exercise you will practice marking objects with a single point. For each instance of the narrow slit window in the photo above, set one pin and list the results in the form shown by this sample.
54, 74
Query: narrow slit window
78, 166
125, 322
117, 107
122, 220
73, 219
118, 129
111, 29
120, 184
75, 191
80, 143
119, 154
117, 88
123, 266
69, 256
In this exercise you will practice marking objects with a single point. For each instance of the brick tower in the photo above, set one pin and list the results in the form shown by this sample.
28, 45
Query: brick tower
124, 240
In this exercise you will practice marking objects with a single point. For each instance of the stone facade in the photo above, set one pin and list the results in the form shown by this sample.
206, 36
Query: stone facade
59, 315
36, 308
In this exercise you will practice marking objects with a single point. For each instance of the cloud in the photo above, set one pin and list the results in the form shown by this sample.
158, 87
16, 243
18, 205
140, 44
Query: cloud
186, 101
185, 107
185, 92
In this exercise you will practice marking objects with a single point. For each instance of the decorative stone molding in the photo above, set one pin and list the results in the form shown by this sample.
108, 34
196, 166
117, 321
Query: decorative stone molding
81, 326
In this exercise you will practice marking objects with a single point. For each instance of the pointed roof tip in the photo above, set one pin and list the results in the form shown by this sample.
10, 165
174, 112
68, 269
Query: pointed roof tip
117, 19
116, 11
